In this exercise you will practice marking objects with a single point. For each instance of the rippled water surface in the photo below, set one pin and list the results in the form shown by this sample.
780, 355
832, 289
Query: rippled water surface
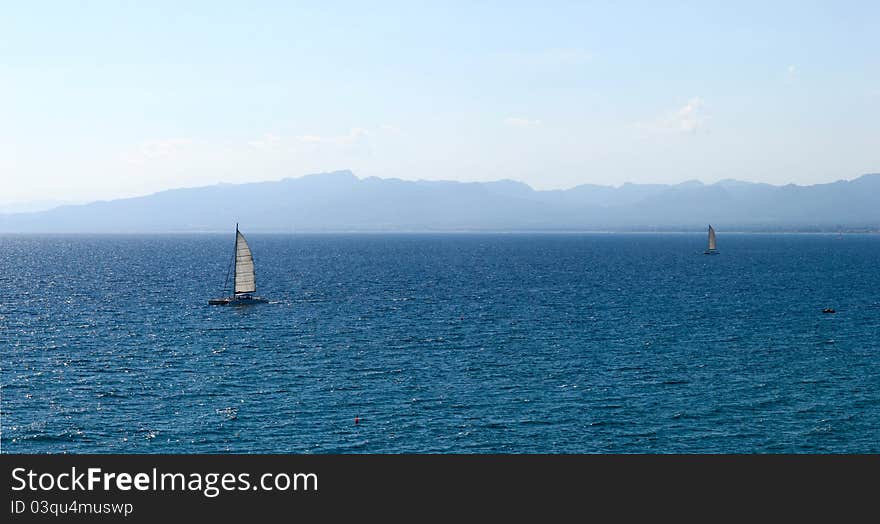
442, 343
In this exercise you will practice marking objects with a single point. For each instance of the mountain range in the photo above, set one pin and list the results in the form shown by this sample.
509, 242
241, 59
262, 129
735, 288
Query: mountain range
340, 201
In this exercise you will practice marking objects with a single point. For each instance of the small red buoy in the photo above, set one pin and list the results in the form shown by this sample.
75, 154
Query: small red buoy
357, 420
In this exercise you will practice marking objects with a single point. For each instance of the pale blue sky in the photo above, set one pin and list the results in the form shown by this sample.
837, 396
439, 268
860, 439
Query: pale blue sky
108, 99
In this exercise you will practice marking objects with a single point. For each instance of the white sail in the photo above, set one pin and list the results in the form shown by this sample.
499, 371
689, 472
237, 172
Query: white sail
711, 239
245, 281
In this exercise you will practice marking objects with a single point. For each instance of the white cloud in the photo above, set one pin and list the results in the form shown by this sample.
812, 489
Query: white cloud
394, 130
267, 141
156, 149
355, 135
687, 119
690, 117
791, 71
275, 142
517, 121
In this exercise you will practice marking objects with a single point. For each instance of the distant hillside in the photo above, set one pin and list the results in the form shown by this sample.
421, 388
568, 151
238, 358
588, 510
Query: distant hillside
339, 201
34, 206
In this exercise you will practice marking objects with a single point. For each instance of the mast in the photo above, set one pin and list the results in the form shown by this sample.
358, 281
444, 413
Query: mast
235, 259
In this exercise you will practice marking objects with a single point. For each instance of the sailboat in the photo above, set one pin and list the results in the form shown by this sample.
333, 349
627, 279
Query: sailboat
711, 249
244, 283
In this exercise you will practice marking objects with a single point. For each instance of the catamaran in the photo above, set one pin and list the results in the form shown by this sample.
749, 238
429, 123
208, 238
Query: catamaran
244, 283
711, 249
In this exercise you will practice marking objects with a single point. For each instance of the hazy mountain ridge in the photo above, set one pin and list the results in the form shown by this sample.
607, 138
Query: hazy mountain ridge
35, 206
339, 201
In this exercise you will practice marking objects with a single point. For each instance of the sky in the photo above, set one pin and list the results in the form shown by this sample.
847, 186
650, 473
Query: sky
103, 100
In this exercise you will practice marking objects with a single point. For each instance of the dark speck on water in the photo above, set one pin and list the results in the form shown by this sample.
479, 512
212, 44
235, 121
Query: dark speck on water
467, 343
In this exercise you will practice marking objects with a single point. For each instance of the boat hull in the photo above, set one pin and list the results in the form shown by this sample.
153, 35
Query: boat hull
236, 301
710, 252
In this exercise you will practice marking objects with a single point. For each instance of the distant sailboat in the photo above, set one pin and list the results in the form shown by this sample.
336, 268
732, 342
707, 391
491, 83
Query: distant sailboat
244, 282
711, 249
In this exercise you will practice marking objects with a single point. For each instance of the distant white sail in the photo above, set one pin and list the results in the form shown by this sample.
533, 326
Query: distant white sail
711, 239
245, 281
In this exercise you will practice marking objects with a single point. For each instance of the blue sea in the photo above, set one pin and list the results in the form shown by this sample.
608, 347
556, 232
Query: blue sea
442, 343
